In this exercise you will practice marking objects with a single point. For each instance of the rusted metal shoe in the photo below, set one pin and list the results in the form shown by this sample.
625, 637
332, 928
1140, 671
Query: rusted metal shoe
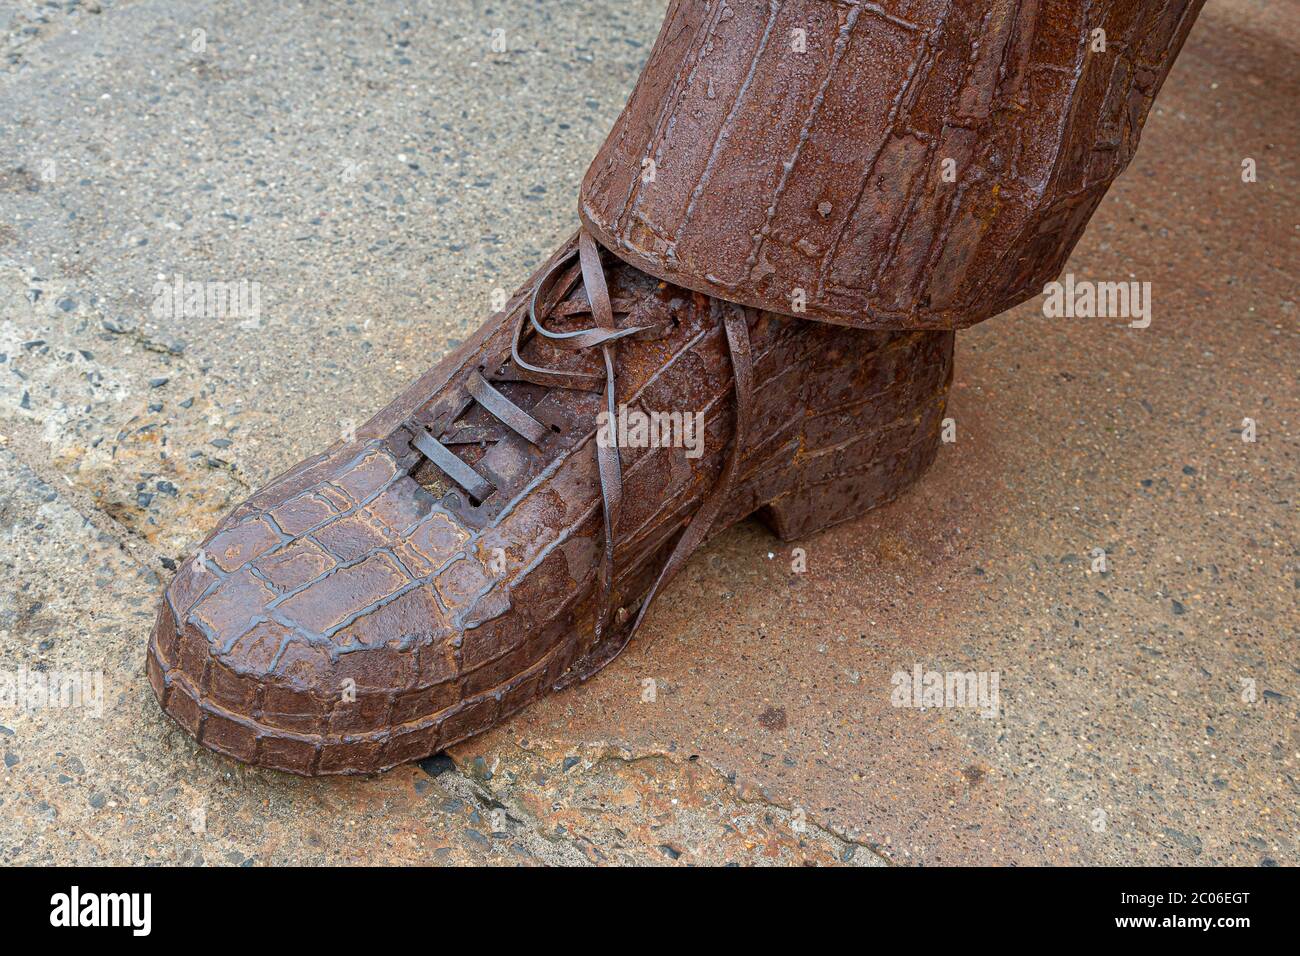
499, 530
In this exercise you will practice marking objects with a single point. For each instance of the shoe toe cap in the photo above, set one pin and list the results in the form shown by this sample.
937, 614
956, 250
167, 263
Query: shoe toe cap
328, 618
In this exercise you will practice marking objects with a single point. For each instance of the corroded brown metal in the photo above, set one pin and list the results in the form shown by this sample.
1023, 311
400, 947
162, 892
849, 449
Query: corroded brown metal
465, 553
799, 148
362, 611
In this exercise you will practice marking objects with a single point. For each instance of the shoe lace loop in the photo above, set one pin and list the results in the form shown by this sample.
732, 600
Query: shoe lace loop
550, 299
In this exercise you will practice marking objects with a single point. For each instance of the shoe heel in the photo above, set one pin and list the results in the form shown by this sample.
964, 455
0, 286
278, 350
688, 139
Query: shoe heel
813, 505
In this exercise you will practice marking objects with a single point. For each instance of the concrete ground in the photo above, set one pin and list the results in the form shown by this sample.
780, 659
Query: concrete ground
380, 170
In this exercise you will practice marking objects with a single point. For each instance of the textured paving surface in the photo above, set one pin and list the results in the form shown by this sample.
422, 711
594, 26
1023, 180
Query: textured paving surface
380, 170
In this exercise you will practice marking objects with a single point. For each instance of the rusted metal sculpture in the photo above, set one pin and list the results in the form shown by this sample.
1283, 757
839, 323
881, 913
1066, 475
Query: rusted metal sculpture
915, 164
492, 535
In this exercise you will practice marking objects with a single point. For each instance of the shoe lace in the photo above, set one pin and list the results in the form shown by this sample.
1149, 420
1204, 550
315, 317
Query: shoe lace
548, 300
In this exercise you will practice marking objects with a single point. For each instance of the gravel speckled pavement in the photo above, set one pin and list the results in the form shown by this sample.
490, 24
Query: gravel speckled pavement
379, 171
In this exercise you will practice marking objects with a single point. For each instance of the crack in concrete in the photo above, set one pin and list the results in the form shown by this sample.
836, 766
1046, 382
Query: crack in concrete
611, 754
740, 795
93, 502
132, 544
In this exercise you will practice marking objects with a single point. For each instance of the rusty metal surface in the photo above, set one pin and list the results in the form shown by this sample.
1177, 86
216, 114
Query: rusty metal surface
360, 612
908, 164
